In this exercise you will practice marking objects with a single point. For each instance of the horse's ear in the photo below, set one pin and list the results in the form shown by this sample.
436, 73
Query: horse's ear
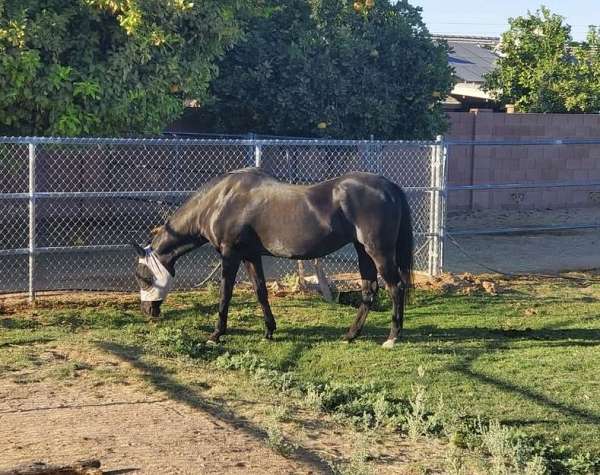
140, 251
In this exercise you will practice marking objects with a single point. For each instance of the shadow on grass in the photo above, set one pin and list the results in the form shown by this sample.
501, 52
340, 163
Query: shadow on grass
27, 341
492, 336
470, 355
534, 396
568, 336
160, 378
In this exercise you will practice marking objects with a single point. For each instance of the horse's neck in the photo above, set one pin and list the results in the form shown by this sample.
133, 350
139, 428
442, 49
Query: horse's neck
169, 244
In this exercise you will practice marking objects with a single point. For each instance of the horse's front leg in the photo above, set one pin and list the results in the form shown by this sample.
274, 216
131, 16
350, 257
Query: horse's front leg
256, 273
229, 267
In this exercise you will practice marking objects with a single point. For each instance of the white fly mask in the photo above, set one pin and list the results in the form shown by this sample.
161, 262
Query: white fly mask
161, 284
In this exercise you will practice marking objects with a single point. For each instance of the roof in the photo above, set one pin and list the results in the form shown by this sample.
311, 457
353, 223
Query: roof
470, 60
478, 40
470, 90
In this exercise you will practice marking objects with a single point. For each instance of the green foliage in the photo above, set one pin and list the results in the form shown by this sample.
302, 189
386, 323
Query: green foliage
365, 405
511, 451
360, 458
582, 88
542, 70
326, 68
102, 67
277, 441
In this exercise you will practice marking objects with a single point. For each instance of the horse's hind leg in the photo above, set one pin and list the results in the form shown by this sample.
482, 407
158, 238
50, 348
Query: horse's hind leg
388, 270
368, 275
255, 272
229, 267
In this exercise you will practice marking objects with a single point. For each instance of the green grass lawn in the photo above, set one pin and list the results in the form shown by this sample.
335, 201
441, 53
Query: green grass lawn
529, 357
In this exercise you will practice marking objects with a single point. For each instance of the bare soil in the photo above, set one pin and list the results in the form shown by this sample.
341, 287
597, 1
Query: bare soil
138, 420
127, 428
528, 252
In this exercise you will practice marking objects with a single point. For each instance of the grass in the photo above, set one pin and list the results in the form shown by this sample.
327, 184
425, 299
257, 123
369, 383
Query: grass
527, 358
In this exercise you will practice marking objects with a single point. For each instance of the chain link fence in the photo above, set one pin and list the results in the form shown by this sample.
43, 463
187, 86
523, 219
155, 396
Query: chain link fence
523, 206
70, 208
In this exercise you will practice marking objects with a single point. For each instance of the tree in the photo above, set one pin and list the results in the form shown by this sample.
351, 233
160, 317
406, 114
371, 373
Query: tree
79, 67
333, 68
581, 90
541, 69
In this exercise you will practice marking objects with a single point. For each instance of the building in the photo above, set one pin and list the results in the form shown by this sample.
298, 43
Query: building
471, 57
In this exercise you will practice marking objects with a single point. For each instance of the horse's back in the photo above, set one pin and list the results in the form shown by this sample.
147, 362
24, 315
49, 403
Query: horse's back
250, 206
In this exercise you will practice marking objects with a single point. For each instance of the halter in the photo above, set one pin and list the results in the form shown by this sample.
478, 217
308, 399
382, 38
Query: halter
161, 284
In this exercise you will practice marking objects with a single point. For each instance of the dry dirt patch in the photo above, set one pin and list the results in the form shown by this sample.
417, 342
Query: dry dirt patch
126, 427
128, 423
530, 252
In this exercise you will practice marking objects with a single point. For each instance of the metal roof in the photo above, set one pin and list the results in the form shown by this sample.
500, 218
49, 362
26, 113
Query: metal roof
473, 39
470, 60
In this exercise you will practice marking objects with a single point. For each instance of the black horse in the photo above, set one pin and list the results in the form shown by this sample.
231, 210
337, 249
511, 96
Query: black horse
246, 214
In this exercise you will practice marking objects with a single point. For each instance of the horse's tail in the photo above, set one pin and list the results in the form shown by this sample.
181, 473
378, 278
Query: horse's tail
405, 244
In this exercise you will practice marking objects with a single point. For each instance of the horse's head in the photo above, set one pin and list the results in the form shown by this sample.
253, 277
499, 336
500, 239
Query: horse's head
154, 280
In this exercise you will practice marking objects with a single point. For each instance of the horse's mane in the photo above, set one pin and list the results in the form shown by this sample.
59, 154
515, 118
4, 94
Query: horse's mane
217, 179
205, 187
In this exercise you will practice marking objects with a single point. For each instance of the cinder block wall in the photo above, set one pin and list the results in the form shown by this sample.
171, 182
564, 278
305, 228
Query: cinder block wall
523, 164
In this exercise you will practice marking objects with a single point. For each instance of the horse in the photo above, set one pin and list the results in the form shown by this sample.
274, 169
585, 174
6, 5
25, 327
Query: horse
246, 214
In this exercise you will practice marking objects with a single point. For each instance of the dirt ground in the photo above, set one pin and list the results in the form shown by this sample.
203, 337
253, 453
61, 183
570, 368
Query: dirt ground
127, 429
135, 418
547, 252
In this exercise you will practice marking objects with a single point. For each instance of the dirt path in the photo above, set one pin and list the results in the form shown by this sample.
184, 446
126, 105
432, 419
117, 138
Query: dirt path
129, 426
547, 252
127, 429
71, 402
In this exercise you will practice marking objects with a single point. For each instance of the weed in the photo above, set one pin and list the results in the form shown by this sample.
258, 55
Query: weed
313, 398
212, 288
291, 280
455, 461
281, 413
419, 421
68, 370
360, 460
277, 441
245, 313
170, 341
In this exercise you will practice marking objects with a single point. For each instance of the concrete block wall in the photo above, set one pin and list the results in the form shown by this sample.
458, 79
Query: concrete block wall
523, 164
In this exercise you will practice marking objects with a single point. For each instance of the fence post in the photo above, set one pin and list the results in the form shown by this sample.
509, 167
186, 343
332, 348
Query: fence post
443, 206
32, 222
257, 154
436, 220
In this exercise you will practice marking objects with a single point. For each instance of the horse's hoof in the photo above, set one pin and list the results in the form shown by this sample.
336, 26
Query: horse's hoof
211, 343
389, 343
